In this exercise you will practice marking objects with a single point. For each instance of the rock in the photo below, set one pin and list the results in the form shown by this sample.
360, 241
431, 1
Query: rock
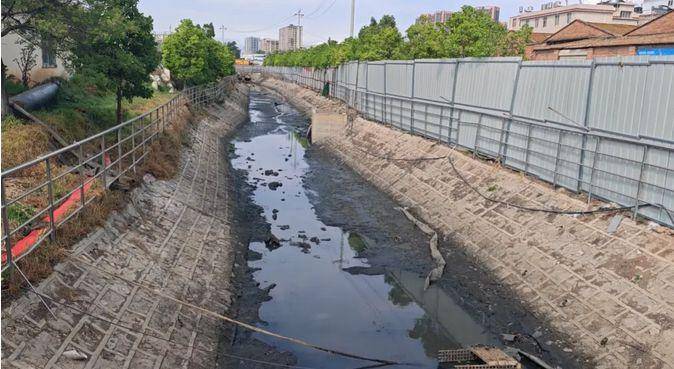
272, 243
274, 185
284, 227
315, 240
75, 355
507, 337
155, 85
165, 75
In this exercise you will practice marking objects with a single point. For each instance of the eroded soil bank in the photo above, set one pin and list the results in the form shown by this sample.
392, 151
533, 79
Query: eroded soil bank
325, 257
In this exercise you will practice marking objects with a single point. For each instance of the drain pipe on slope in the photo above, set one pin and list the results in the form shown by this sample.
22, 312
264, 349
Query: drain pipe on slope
440, 263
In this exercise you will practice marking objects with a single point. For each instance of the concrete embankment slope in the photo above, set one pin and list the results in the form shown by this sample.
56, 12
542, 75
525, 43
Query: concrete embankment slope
612, 295
173, 236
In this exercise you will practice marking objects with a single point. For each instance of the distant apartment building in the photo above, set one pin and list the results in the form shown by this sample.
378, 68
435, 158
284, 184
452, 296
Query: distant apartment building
440, 16
290, 38
251, 45
493, 11
269, 46
656, 6
552, 17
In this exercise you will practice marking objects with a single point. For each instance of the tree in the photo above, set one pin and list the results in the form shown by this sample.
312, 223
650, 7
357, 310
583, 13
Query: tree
426, 40
26, 62
118, 46
193, 57
234, 49
514, 43
209, 29
472, 33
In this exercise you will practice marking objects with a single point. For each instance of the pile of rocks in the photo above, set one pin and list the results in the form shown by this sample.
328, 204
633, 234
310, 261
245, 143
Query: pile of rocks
161, 79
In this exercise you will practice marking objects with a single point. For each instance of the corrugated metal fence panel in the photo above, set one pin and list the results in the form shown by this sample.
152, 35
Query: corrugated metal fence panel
629, 154
376, 71
399, 78
487, 83
617, 97
434, 79
546, 89
658, 105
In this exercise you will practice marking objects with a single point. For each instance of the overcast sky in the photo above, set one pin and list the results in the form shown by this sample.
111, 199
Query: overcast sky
324, 18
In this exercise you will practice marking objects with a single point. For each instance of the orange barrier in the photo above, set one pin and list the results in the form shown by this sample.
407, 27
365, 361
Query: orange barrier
60, 213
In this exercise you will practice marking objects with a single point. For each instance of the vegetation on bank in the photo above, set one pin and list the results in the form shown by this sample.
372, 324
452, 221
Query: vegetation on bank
468, 33
194, 57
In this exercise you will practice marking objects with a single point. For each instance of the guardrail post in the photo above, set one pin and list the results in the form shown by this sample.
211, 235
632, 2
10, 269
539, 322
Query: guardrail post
133, 145
119, 150
81, 176
526, 157
6, 228
641, 178
505, 131
50, 194
104, 169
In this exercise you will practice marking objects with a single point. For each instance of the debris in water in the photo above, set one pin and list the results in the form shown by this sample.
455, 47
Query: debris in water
315, 240
274, 185
272, 243
284, 227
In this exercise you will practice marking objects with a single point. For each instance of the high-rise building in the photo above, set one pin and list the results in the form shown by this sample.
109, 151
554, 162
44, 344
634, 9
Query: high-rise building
290, 38
493, 11
251, 45
269, 46
440, 16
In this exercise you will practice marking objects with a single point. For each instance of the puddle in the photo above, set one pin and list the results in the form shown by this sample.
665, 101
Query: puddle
321, 290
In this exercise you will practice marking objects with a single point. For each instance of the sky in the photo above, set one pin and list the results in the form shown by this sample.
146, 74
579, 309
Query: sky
323, 18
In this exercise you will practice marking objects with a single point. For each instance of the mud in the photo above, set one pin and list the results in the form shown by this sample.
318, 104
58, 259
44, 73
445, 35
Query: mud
465, 307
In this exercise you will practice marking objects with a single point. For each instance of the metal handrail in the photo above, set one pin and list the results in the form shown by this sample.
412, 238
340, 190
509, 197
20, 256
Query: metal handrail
127, 149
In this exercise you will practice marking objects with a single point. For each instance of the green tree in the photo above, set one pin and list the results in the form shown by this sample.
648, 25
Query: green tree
514, 43
193, 57
234, 49
426, 40
472, 33
209, 29
118, 45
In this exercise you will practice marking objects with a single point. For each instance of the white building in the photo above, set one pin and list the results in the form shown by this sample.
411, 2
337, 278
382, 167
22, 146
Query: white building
290, 38
47, 63
553, 16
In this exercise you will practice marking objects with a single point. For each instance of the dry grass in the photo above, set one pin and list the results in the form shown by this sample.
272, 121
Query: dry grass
21, 143
161, 162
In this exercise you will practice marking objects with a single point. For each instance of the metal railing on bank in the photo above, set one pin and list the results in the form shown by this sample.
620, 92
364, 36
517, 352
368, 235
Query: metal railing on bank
563, 122
40, 196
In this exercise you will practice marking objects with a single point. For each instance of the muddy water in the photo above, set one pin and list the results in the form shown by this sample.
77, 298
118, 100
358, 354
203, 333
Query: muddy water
321, 288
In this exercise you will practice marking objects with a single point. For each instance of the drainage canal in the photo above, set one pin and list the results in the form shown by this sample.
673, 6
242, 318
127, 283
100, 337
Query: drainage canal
322, 286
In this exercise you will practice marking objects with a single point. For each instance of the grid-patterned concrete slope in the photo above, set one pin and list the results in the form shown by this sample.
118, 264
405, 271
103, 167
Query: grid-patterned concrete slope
174, 235
611, 294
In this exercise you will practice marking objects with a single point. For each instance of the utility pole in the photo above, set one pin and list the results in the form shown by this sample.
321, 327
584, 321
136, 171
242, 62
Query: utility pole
353, 11
298, 38
222, 29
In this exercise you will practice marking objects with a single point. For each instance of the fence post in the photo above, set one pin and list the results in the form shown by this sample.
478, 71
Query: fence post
505, 131
82, 176
586, 117
641, 178
526, 157
477, 134
559, 149
6, 229
119, 150
104, 171
50, 194
594, 162
414, 73
451, 108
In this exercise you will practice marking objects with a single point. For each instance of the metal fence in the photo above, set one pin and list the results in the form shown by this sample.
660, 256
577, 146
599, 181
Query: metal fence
604, 127
62, 191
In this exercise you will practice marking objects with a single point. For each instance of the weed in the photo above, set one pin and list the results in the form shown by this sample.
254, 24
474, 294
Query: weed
18, 214
492, 188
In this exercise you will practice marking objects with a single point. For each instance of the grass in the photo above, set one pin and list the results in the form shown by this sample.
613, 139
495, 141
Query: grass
13, 87
77, 113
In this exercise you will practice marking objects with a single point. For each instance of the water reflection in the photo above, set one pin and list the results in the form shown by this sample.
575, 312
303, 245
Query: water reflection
314, 298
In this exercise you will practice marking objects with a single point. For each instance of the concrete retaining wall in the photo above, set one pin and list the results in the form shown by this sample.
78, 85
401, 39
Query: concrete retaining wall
613, 294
